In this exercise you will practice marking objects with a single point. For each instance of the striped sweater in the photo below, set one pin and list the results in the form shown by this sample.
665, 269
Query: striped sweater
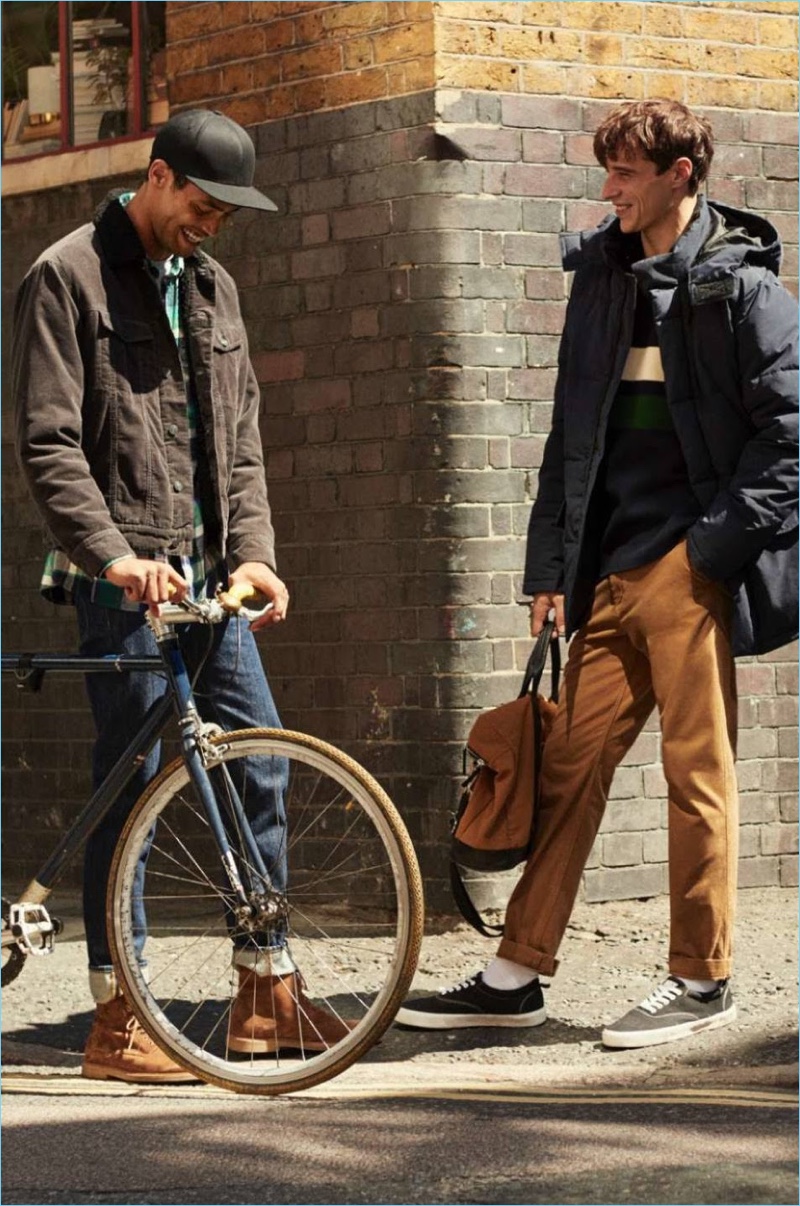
643, 503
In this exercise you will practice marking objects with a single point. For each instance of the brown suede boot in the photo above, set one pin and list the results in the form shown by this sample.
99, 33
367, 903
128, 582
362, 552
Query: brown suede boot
271, 1013
119, 1049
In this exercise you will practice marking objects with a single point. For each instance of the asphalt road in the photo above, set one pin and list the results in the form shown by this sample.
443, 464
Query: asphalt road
543, 1115
68, 1142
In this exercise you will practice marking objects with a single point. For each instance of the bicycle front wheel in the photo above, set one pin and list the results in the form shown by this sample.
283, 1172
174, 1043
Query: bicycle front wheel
350, 914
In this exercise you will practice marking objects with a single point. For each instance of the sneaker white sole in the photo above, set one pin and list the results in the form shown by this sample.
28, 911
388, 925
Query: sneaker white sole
461, 1021
652, 1038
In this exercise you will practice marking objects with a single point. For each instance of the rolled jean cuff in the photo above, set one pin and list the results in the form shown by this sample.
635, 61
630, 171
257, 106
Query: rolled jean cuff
528, 956
276, 961
103, 984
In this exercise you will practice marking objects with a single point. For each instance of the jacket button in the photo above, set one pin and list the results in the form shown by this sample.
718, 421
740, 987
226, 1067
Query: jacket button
177, 487
223, 341
172, 430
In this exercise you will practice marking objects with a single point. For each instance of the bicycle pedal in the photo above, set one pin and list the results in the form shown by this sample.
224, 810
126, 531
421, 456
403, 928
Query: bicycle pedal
33, 928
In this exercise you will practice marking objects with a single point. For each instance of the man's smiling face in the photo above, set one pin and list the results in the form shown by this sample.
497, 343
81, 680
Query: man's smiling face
644, 200
182, 218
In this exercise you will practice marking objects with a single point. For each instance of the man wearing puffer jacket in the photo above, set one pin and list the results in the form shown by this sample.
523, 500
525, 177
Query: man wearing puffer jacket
664, 536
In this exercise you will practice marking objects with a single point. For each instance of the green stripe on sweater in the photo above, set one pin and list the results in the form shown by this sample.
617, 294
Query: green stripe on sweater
641, 412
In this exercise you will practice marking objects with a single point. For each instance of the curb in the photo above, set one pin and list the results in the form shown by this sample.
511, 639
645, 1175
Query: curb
389, 1079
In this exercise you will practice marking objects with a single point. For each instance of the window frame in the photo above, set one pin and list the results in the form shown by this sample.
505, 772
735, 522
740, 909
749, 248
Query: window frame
137, 111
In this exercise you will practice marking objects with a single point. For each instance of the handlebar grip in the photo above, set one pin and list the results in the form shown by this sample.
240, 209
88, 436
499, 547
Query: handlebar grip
242, 594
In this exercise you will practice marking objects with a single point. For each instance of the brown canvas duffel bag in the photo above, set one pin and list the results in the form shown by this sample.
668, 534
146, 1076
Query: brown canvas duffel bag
492, 829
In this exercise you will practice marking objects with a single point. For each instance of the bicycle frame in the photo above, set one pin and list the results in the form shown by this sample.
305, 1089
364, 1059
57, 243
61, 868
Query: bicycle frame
197, 755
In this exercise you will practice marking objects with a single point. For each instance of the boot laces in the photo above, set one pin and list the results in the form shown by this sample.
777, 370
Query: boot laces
136, 1035
663, 995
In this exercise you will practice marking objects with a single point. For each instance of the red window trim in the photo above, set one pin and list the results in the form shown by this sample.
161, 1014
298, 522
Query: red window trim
68, 146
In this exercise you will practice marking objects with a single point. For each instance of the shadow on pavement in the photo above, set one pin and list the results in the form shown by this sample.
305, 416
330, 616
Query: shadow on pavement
186, 1150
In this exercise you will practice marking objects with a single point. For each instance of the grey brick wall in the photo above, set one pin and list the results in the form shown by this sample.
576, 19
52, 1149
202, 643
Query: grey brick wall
404, 308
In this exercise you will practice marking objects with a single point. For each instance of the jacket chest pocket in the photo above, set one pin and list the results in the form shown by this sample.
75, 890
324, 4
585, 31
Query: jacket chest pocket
227, 351
126, 356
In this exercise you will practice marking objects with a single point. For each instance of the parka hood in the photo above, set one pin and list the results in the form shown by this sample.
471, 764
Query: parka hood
718, 240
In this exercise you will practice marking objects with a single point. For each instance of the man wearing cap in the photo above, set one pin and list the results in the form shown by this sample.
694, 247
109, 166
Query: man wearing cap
137, 429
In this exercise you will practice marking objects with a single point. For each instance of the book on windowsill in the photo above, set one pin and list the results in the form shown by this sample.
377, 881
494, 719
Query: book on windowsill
44, 129
16, 122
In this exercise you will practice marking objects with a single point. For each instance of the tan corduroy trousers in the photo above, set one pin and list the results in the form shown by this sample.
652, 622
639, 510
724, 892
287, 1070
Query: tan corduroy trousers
657, 635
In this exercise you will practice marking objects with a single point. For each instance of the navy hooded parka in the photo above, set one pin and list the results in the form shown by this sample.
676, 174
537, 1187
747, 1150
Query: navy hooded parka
727, 330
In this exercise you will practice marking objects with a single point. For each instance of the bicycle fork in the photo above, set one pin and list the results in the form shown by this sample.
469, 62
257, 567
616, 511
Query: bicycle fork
258, 904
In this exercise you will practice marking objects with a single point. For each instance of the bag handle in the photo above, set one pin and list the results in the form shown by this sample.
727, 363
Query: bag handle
536, 663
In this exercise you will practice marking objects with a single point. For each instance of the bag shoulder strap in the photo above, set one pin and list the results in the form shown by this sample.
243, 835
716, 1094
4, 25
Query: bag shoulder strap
467, 908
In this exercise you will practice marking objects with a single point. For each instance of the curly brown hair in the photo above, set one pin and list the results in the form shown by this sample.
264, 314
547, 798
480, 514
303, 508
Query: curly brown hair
662, 131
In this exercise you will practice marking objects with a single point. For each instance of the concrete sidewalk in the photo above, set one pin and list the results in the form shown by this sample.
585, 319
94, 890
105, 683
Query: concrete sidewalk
613, 956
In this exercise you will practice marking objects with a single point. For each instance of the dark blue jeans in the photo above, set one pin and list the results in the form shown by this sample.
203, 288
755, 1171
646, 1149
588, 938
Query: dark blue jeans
231, 690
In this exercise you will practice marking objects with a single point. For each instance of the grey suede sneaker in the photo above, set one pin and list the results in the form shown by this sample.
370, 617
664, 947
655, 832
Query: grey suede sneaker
473, 1003
672, 1012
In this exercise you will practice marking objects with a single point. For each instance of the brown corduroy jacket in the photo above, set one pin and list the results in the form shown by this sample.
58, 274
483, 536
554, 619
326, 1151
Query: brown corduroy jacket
101, 417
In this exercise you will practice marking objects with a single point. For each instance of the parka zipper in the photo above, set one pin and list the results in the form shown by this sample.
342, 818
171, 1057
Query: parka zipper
628, 309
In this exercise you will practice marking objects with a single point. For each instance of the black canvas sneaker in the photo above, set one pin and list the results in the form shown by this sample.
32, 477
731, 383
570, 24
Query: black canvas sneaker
473, 1003
672, 1012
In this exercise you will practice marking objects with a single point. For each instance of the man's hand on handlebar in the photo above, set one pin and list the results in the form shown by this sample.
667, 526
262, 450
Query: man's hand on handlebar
145, 581
266, 581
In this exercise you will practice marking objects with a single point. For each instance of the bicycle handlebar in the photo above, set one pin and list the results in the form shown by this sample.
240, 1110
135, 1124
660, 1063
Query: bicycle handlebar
241, 600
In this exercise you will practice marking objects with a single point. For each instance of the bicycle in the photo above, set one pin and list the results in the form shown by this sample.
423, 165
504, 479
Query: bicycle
351, 914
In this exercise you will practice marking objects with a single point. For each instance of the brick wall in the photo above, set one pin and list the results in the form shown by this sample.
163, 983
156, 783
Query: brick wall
741, 55
267, 60
404, 308
262, 61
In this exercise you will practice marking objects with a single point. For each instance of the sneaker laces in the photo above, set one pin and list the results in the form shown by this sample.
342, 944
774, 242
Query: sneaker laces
665, 994
468, 983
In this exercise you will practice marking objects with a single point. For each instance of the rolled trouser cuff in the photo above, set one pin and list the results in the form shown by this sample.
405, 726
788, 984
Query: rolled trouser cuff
528, 956
701, 969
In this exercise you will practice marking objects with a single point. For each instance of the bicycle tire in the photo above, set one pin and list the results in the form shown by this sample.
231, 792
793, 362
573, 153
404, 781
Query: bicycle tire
355, 912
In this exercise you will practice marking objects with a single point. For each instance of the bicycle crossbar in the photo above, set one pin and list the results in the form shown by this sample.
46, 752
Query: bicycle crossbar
76, 663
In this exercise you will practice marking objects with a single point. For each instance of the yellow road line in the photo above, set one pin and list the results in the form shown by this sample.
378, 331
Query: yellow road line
654, 1097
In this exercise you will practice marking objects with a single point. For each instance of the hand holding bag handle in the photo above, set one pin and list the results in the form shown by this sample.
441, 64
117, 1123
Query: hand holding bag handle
536, 663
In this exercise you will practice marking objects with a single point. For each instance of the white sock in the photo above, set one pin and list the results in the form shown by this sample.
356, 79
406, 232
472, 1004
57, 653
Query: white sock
698, 985
502, 973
